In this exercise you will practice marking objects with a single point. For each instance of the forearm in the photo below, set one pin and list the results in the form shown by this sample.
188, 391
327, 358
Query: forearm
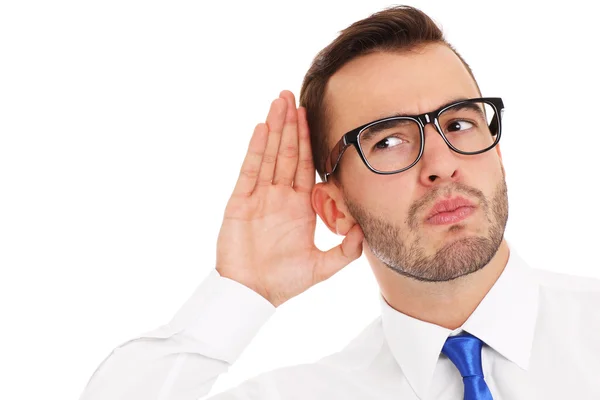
182, 360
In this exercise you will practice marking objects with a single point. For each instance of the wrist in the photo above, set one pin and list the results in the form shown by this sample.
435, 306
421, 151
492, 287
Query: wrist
250, 285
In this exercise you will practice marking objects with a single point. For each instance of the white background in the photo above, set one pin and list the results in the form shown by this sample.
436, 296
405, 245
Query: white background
123, 125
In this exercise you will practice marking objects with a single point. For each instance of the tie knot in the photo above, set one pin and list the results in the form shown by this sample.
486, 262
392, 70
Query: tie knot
464, 351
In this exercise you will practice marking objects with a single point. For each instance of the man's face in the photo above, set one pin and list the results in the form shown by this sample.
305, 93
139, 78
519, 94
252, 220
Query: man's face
392, 210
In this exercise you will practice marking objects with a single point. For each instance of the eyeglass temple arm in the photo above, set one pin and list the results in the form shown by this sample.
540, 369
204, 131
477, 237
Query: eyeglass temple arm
334, 157
494, 125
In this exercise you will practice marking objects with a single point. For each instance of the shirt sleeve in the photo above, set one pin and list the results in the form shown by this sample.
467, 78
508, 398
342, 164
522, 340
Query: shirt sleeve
182, 360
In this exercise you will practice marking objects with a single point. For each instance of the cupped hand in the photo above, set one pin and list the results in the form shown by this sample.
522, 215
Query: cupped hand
266, 241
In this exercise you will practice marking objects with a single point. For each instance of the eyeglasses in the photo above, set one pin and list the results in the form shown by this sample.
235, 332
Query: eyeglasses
395, 144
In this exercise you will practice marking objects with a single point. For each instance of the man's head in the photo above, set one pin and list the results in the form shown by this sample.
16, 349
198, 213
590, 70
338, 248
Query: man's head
397, 61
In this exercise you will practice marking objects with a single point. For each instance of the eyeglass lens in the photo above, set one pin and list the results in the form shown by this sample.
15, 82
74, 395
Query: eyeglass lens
394, 144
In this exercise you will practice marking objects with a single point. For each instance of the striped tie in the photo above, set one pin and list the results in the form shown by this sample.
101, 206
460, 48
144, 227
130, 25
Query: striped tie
464, 351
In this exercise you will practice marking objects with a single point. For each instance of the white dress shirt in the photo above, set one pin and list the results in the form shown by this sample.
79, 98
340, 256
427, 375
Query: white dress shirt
541, 334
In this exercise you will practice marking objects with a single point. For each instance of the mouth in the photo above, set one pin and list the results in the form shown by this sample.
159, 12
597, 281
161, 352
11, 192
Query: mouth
450, 211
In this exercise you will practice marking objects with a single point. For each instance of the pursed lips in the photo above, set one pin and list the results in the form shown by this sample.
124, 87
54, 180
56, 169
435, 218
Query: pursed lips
448, 205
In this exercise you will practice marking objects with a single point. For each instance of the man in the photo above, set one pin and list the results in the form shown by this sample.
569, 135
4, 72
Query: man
408, 151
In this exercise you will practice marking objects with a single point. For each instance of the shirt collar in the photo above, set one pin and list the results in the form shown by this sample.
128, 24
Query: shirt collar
504, 320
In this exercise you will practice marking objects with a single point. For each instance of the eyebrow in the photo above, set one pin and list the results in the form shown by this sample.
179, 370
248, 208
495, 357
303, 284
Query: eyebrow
472, 107
447, 103
382, 126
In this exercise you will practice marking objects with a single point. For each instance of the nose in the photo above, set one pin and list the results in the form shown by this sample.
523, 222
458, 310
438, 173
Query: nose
439, 163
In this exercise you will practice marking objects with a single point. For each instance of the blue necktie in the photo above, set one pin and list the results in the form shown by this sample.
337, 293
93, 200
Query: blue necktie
464, 350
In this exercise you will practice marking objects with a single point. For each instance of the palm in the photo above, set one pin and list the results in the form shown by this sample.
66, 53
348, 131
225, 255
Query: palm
275, 228
266, 241
276, 216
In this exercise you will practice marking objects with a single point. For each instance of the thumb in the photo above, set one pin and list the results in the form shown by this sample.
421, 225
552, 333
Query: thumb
338, 257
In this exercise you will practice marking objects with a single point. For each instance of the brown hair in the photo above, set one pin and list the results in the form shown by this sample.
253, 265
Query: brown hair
399, 28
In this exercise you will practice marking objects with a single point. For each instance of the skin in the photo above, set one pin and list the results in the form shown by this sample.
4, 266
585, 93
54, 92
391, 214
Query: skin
438, 274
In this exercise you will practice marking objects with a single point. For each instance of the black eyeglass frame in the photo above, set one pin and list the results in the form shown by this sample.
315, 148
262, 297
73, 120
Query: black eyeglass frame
351, 138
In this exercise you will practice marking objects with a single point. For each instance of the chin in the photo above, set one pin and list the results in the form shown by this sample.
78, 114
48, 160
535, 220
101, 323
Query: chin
462, 242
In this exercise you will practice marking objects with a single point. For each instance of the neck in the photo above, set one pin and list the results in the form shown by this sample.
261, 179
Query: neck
447, 304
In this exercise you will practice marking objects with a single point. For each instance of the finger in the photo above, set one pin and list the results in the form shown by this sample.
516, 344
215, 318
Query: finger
251, 165
275, 120
304, 179
287, 156
337, 258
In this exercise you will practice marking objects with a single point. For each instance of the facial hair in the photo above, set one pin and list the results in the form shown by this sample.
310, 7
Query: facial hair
402, 250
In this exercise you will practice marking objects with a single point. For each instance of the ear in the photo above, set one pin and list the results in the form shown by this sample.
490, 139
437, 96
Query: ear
328, 202
498, 151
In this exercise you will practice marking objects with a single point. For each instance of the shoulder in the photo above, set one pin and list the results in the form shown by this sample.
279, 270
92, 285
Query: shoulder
319, 378
360, 352
562, 282
357, 355
351, 364
569, 299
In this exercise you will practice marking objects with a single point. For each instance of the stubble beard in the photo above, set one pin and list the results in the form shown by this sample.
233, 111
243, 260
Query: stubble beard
403, 252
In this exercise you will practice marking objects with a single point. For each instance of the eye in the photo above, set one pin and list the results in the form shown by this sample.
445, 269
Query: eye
388, 142
459, 125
